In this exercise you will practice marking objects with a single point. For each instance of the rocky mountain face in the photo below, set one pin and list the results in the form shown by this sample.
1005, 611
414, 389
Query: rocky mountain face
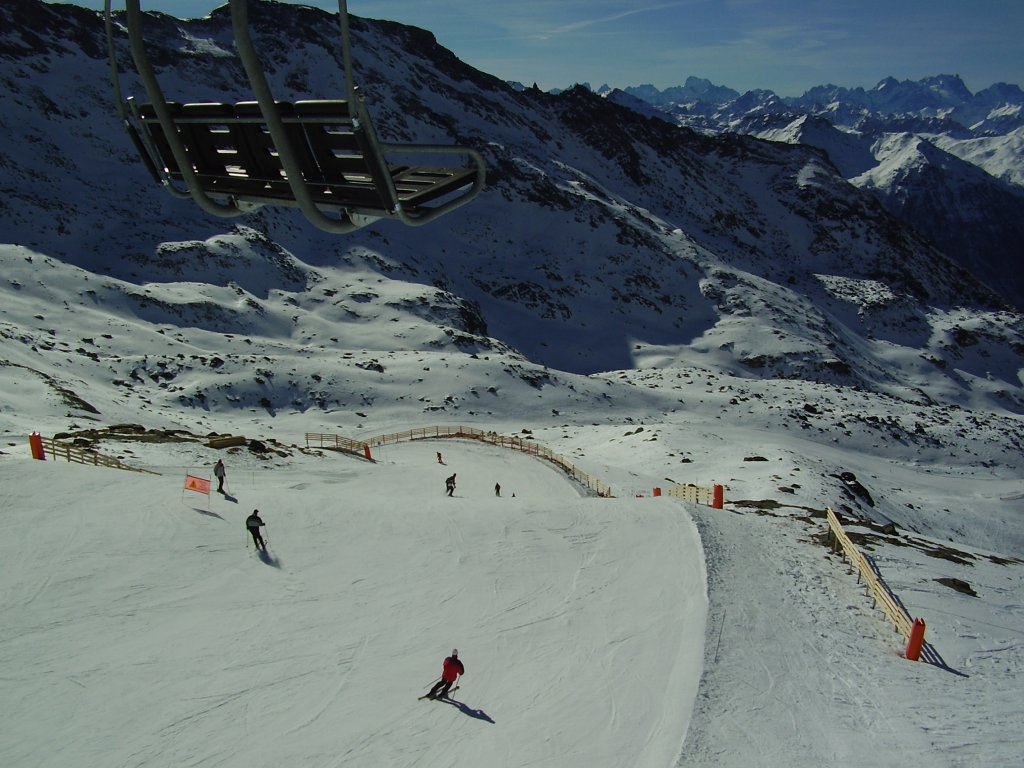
947, 161
605, 241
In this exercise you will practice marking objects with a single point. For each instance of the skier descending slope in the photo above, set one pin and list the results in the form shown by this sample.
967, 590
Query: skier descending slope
450, 671
254, 522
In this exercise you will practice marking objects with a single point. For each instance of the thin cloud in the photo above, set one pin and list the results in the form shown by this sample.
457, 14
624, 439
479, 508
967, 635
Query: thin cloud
578, 25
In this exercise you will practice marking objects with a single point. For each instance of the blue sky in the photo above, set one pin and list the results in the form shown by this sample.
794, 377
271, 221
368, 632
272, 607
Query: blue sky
787, 47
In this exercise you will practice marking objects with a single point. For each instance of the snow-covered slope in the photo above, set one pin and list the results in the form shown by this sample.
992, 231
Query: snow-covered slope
999, 155
956, 204
656, 305
140, 631
141, 627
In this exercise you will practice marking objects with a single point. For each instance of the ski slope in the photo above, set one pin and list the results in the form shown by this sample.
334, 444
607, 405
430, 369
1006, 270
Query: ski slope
142, 629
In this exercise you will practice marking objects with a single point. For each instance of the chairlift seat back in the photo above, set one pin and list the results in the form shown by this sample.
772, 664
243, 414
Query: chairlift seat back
319, 156
233, 154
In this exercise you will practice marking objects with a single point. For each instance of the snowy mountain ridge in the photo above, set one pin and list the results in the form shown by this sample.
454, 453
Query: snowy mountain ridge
942, 99
605, 242
977, 217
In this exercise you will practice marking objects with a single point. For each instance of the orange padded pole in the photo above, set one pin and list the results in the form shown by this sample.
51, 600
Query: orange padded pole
719, 500
35, 442
916, 641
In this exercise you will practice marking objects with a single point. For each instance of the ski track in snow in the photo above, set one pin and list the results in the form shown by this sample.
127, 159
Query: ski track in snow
768, 716
141, 629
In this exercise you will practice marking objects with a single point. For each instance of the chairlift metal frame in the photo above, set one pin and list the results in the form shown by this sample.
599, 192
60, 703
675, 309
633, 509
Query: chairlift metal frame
315, 176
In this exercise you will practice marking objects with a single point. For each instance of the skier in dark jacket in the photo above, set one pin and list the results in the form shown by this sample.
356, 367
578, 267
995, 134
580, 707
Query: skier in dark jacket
253, 522
450, 671
449, 484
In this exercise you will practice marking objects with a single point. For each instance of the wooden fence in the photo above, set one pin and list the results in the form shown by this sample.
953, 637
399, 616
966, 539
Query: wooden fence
76, 455
710, 496
866, 570
493, 438
334, 442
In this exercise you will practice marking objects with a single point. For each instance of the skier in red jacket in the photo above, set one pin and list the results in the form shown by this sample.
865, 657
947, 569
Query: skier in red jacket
449, 674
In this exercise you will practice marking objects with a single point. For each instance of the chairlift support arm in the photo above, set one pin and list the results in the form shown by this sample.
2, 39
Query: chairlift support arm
353, 213
156, 96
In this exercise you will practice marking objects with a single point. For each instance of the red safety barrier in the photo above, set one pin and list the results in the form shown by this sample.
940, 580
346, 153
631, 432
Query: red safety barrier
366, 452
657, 491
35, 442
916, 641
719, 499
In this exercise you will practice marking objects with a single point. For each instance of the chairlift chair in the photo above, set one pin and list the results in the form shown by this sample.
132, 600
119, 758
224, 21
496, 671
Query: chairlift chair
322, 157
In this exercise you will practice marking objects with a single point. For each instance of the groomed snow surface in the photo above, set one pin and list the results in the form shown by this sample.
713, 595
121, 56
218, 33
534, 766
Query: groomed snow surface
141, 628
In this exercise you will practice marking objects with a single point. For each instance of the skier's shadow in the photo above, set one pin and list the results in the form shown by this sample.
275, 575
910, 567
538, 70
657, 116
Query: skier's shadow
228, 497
268, 559
478, 714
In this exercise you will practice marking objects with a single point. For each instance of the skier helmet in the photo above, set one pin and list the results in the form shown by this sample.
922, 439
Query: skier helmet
455, 652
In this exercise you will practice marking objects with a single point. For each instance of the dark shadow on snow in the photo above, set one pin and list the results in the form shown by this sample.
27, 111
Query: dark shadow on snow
928, 653
268, 559
477, 714
930, 656
228, 497
207, 512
